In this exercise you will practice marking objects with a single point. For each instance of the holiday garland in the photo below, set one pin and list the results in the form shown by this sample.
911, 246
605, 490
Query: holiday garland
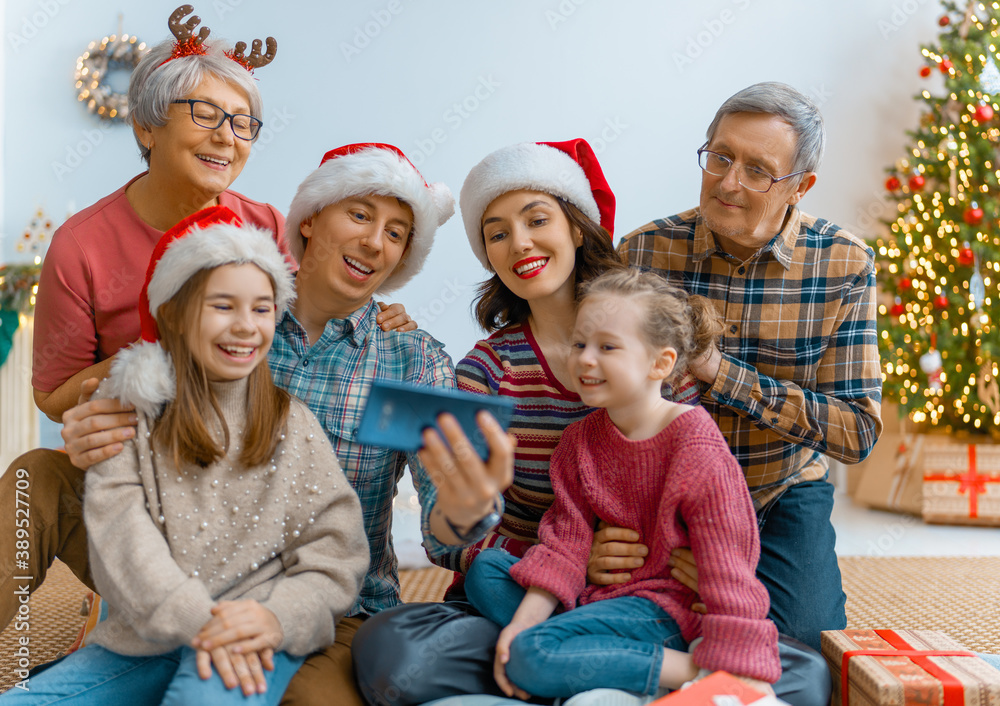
92, 69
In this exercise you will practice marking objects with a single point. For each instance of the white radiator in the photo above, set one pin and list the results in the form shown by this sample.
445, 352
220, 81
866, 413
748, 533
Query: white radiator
18, 414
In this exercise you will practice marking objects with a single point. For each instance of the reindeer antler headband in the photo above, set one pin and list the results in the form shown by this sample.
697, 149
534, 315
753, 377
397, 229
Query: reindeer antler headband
190, 44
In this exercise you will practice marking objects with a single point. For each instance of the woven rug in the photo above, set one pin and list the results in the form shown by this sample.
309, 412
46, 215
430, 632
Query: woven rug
959, 596
53, 622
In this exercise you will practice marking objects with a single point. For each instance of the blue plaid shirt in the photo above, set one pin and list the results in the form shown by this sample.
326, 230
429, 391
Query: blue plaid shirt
333, 377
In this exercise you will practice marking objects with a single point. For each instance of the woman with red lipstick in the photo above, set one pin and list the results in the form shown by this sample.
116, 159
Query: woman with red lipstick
539, 216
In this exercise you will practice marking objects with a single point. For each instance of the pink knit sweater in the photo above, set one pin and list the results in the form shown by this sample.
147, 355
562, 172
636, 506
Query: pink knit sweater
681, 488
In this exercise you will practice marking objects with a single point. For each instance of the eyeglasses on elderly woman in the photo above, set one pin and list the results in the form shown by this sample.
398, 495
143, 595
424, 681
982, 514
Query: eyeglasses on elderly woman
211, 116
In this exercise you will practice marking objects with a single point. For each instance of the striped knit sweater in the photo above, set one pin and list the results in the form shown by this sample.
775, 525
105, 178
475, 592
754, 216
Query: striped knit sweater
680, 488
510, 363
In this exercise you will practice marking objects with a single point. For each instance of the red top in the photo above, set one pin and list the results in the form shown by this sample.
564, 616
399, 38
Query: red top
680, 488
87, 304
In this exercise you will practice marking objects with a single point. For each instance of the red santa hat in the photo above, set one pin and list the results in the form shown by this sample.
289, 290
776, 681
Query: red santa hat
382, 170
143, 374
569, 170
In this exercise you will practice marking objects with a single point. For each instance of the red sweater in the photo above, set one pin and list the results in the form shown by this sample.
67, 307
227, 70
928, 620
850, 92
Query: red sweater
681, 488
88, 297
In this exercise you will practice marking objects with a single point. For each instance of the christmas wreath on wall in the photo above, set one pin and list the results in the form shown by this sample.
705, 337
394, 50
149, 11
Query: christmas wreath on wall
117, 52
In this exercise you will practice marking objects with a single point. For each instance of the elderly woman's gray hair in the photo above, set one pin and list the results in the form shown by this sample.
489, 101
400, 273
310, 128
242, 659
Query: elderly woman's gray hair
791, 106
154, 84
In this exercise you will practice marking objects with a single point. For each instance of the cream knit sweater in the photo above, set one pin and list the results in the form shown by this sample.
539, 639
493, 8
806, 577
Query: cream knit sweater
167, 544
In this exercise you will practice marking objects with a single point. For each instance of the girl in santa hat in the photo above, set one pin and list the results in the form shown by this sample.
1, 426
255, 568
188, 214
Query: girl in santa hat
658, 467
225, 538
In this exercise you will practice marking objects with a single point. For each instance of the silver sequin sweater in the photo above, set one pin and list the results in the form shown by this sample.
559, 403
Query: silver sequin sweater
167, 544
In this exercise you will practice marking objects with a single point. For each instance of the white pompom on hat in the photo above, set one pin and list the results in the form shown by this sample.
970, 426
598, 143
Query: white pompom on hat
379, 169
143, 374
569, 170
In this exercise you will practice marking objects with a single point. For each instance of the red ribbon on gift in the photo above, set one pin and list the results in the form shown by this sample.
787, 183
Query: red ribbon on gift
970, 481
954, 693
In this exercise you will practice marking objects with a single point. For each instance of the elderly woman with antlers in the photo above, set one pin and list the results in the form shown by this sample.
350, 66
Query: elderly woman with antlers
196, 112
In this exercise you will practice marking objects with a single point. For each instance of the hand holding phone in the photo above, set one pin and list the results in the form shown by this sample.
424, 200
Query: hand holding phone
397, 413
463, 449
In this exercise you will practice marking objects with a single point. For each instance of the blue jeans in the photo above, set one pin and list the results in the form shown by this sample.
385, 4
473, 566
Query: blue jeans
798, 563
94, 676
615, 643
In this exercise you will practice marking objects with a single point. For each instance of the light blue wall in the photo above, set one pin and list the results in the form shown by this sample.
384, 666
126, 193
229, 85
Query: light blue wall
640, 79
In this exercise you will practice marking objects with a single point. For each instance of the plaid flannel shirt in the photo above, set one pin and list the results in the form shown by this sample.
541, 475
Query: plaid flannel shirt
800, 377
333, 377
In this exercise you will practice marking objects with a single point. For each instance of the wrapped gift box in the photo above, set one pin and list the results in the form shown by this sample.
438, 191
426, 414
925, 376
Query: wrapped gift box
888, 667
962, 484
718, 689
892, 476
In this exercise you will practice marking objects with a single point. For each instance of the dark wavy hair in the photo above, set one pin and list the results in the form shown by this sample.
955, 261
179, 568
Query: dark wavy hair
496, 307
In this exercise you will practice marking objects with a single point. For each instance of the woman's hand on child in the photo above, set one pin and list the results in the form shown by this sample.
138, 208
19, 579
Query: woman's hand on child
242, 626
95, 430
467, 487
686, 571
393, 317
236, 669
507, 636
614, 549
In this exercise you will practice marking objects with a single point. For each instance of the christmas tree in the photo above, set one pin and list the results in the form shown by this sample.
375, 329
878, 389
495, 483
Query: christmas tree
939, 264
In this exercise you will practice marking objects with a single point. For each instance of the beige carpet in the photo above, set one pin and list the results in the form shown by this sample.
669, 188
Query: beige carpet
958, 596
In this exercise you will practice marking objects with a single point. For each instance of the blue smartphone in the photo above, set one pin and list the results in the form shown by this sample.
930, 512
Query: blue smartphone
397, 413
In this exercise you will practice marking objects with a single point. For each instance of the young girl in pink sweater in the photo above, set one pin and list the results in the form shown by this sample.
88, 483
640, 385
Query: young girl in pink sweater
652, 465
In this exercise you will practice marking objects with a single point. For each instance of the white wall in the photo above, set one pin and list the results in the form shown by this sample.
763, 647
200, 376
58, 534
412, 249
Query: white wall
640, 80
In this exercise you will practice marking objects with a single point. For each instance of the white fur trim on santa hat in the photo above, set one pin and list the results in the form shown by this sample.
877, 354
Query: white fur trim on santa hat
382, 173
528, 165
220, 244
142, 375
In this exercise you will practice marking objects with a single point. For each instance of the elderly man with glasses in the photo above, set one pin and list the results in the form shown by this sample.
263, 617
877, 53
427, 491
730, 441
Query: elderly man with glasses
796, 378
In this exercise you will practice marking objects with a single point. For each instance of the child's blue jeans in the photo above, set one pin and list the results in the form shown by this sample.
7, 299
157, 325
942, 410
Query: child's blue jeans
616, 643
99, 677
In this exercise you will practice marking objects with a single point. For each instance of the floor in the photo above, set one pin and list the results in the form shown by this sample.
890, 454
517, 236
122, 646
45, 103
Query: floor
865, 532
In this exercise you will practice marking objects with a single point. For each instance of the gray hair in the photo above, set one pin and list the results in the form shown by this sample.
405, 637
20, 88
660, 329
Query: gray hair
154, 85
791, 106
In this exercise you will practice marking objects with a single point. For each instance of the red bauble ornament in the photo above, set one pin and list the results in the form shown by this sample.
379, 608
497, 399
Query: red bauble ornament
892, 184
946, 65
917, 182
897, 309
905, 283
973, 215
925, 71
984, 113
944, 20
965, 256
941, 302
